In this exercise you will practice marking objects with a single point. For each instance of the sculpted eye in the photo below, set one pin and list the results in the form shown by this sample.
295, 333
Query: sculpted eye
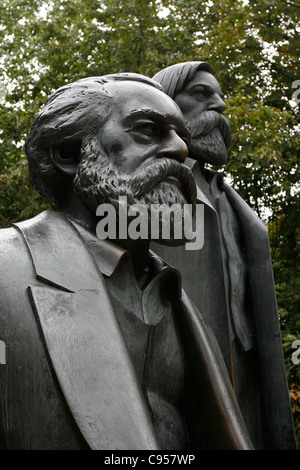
145, 132
200, 93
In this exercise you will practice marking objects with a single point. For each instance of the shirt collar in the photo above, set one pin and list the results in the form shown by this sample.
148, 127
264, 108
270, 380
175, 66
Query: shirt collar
108, 255
211, 177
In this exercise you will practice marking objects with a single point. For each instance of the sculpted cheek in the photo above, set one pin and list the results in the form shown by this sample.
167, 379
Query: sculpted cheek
117, 147
115, 152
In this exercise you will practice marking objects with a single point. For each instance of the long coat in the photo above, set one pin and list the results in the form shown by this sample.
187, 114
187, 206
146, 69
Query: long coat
258, 334
68, 381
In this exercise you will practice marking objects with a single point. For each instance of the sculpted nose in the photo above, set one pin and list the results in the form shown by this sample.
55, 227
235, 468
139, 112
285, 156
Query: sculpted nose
173, 147
217, 104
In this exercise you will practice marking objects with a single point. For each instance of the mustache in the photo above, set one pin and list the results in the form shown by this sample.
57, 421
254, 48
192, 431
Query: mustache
207, 122
160, 170
98, 180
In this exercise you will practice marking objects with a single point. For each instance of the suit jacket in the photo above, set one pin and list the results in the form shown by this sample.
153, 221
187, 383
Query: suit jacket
68, 381
257, 332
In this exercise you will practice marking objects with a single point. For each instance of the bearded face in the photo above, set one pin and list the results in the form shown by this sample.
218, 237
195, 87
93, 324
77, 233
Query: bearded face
211, 137
165, 181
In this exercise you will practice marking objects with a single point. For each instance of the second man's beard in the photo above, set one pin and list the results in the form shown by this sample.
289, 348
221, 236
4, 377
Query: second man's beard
97, 182
210, 138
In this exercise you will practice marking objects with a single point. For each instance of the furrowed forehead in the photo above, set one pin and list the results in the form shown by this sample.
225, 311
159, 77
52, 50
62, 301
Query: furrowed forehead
136, 100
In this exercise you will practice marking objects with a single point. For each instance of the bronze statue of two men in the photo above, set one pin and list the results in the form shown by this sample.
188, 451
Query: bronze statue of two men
111, 344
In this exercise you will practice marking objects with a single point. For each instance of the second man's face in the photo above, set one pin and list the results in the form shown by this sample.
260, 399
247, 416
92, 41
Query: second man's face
201, 93
201, 102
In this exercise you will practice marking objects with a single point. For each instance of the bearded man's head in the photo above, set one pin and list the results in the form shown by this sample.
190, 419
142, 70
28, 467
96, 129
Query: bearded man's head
92, 138
195, 89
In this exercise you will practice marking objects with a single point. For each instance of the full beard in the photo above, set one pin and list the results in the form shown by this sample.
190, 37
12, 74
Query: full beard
210, 138
166, 181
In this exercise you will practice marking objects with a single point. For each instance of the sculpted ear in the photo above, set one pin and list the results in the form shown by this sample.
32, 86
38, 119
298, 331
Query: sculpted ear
66, 157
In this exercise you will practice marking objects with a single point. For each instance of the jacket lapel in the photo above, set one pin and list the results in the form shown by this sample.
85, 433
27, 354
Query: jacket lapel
224, 425
83, 338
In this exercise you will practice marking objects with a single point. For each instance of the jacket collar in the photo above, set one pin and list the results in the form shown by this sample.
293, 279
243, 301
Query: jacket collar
53, 245
83, 338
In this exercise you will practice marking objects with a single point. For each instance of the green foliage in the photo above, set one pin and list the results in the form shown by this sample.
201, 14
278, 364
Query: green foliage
264, 158
18, 200
253, 46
